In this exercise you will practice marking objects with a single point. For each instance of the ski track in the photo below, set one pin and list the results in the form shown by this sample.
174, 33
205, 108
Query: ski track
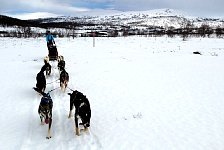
62, 129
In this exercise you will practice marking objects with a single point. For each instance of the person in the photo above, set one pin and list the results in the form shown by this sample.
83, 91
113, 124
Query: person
49, 39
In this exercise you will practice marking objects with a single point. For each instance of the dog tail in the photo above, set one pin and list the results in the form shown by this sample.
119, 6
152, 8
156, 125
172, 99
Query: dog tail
38, 90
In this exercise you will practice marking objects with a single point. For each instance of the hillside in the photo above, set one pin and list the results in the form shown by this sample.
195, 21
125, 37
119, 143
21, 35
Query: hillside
159, 17
135, 22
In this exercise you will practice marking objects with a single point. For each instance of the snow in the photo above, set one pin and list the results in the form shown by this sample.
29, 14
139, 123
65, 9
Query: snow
145, 93
157, 17
151, 13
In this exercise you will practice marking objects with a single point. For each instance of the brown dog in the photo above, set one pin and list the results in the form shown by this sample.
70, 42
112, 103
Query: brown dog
64, 78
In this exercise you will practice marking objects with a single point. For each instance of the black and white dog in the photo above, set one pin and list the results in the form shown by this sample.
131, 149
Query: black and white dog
45, 110
82, 110
64, 78
47, 66
61, 63
41, 81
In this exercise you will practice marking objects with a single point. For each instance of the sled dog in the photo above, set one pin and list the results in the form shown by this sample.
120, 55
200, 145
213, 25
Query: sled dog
64, 78
82, 110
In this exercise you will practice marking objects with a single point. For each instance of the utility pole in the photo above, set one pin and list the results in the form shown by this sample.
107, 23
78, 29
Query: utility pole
93, 34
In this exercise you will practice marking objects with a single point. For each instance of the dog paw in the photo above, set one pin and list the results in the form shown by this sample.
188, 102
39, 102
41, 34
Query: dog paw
85, 130
48, 137
78, 134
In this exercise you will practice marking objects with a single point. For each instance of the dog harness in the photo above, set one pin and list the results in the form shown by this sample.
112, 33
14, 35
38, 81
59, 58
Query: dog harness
46, 105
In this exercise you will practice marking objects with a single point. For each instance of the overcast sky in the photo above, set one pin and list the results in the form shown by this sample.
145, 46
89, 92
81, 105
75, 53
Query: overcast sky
69, 7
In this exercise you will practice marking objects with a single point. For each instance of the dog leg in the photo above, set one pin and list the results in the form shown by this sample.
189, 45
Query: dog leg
49, 129
62, 86
77, 131
70, 114
41, 120
47, 73
63, 89
43, 89
71, 107
41, 117
86, 129
76, 125
66, 84
42, 123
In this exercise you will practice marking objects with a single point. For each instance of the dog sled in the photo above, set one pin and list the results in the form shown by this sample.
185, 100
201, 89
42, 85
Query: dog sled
52, 52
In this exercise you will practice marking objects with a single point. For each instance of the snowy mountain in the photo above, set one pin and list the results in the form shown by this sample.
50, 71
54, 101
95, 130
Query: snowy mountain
129, 23
158, 17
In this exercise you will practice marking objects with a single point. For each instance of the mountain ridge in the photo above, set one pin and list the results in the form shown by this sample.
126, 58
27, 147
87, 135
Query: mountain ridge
158, 17
160, 21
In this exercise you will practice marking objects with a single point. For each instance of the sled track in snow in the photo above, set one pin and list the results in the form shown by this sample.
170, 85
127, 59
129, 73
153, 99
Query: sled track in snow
62, 129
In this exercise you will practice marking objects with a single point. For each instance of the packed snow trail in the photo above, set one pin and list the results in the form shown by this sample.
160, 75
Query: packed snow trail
62, 129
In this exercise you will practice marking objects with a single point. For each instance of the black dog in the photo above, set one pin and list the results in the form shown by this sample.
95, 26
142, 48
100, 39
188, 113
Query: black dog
82, 110
64, 78
45, 110
47, 68
41, 81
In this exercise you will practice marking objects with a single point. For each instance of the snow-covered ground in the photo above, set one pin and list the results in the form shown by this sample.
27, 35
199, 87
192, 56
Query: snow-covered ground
145, 93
